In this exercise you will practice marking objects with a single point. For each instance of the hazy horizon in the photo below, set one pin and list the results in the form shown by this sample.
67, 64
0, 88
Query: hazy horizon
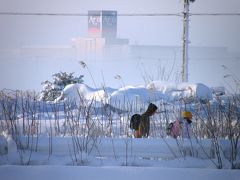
28, 71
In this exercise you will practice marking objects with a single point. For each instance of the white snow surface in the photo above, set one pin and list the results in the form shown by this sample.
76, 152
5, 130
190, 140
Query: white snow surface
175, 91
147, 159
154, 91
110, 173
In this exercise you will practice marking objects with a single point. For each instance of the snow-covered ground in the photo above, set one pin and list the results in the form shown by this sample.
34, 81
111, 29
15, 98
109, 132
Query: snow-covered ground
116, 173
60, 149
115, 158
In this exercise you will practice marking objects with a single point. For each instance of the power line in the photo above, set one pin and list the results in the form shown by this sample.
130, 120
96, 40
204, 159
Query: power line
214, 14
120, 14
84, 14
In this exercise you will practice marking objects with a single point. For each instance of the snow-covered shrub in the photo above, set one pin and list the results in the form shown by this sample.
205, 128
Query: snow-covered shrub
52, 90
85, 132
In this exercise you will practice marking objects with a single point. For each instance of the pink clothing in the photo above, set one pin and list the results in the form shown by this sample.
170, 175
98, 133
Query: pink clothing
176, 129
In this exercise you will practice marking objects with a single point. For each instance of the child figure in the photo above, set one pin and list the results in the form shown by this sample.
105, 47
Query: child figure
181, 127
186, 122
175, 129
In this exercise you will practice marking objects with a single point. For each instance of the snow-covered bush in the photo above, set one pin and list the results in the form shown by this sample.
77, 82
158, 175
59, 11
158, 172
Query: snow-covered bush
52, 90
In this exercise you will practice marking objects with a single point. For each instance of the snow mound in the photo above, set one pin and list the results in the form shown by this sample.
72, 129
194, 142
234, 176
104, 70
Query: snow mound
82, 92
178, 91
131, 94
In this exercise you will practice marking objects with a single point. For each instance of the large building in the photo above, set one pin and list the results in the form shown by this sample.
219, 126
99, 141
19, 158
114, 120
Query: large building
102, 35
102, 24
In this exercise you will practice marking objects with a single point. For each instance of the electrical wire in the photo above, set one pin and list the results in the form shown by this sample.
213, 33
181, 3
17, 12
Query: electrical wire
84, 14
120, 14
214, 14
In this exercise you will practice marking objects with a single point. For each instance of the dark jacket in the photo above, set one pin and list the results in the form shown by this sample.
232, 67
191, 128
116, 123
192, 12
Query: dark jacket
145, 120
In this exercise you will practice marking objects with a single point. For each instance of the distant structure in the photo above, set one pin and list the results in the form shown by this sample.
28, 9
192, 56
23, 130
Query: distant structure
102, 34
102, 24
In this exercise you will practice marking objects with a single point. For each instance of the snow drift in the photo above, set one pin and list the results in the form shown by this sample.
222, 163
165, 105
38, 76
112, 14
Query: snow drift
153, 92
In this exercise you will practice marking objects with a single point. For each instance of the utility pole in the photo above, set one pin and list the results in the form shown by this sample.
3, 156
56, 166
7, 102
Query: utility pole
185, 49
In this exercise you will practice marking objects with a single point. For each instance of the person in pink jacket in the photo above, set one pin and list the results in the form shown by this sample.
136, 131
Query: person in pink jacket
181, 127
175, 129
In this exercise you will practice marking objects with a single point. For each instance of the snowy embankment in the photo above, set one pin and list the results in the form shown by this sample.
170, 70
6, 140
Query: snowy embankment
153, 92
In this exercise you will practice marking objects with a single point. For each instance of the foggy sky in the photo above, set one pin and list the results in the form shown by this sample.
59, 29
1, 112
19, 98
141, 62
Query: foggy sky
17, 32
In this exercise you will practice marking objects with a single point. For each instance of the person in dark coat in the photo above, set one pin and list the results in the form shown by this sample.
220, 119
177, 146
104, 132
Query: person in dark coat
144, 126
